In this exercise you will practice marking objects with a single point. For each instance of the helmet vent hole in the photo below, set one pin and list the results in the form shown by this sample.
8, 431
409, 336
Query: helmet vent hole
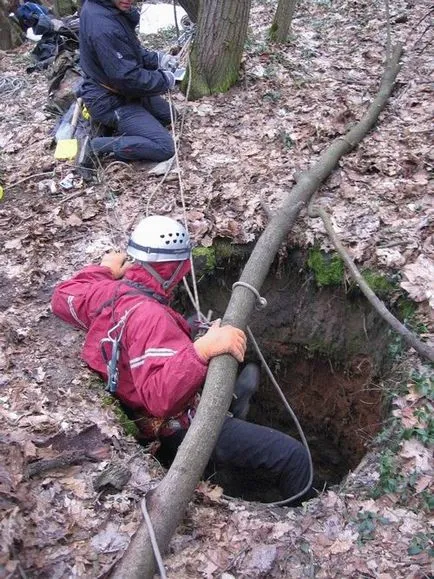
167, 242
162, 236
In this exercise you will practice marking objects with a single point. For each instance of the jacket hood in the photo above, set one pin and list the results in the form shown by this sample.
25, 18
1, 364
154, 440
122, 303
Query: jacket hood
133, 15
139, 274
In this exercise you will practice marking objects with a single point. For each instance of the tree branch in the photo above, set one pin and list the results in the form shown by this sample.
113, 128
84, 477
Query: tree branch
168, 501
412, 340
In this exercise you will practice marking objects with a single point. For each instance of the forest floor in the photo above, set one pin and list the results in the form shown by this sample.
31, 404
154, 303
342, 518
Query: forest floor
239, 151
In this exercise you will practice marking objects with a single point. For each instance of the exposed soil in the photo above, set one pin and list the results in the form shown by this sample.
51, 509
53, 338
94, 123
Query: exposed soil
329, 352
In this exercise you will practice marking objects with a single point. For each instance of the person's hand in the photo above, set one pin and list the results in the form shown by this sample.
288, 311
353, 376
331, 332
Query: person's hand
116, 262
170, 78
57, 24
221, 340
167, 61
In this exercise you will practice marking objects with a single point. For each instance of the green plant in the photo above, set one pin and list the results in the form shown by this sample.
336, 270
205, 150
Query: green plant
406, 309
425, 430
378, 283
328, 268
366, 526
286, 139
272, 96
395, 346
205, 257
128, 425
367, 523
390, 479
421, 542
423, 381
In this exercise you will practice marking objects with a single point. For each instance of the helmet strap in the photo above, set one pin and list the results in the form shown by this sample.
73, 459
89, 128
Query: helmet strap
165, 284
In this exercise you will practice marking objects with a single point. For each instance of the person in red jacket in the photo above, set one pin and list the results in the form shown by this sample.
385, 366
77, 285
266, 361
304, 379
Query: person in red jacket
144, 350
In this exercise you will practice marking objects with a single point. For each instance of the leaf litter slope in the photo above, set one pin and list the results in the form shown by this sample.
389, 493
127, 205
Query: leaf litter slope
240, 152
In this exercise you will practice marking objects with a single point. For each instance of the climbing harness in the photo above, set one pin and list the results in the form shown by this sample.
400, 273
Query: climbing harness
111, 358
110, 346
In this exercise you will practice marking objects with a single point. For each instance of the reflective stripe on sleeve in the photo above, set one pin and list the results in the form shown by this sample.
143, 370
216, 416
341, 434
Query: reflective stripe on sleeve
74, 313
151, 353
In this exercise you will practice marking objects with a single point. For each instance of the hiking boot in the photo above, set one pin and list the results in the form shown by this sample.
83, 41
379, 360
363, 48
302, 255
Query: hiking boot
245, 386
85, 159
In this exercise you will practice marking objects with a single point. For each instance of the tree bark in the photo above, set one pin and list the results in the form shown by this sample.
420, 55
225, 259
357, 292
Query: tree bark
282, 21
218, 47
168, 501
191, 7
64, 7
6, 41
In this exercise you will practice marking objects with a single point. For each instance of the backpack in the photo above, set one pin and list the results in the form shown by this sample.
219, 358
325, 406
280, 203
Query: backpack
28, 14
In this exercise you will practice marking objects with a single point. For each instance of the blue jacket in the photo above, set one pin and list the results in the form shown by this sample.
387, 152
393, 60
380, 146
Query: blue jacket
117, 69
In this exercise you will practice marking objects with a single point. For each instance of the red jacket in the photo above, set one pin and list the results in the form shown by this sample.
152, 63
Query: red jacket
159, 370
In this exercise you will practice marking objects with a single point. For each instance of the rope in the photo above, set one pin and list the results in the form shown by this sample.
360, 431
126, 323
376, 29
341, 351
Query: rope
9, 85
194, 301
295, 419
153, 538
261, 302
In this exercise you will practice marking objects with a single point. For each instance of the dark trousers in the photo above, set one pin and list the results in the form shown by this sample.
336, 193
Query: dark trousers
141, 127
249, 446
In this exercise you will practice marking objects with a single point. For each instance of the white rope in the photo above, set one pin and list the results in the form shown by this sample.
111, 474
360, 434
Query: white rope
153, 538
295, 419
261, 302
195, 301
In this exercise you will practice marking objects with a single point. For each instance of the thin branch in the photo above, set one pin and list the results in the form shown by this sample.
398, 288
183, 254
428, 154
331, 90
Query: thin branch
46, 174
411, 339
66, 459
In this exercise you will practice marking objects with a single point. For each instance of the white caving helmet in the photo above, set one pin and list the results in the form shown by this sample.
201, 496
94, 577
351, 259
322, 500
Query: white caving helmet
158, 239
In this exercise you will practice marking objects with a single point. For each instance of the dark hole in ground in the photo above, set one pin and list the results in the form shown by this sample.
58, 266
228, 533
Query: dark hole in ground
328, 351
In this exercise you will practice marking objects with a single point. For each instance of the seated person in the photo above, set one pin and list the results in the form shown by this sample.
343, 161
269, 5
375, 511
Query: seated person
122, 85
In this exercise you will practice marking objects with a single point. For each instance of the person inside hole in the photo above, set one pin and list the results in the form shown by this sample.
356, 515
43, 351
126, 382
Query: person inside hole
144, 351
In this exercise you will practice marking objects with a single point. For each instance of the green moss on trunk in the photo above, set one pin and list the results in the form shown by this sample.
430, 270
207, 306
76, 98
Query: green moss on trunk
272, 33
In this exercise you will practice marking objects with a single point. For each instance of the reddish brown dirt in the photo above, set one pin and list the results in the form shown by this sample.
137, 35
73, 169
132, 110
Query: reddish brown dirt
339, 410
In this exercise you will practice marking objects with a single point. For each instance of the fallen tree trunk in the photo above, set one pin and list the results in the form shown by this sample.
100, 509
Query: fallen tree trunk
167, 503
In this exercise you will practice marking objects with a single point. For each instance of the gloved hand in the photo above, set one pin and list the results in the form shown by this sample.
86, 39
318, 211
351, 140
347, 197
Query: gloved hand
170, 78
116, 262
57, 24
221, 340
167, 61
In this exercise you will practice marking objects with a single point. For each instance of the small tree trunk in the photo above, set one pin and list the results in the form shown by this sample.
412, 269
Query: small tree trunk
216, 54
191, 7
282, 21
6, 40
64, 7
